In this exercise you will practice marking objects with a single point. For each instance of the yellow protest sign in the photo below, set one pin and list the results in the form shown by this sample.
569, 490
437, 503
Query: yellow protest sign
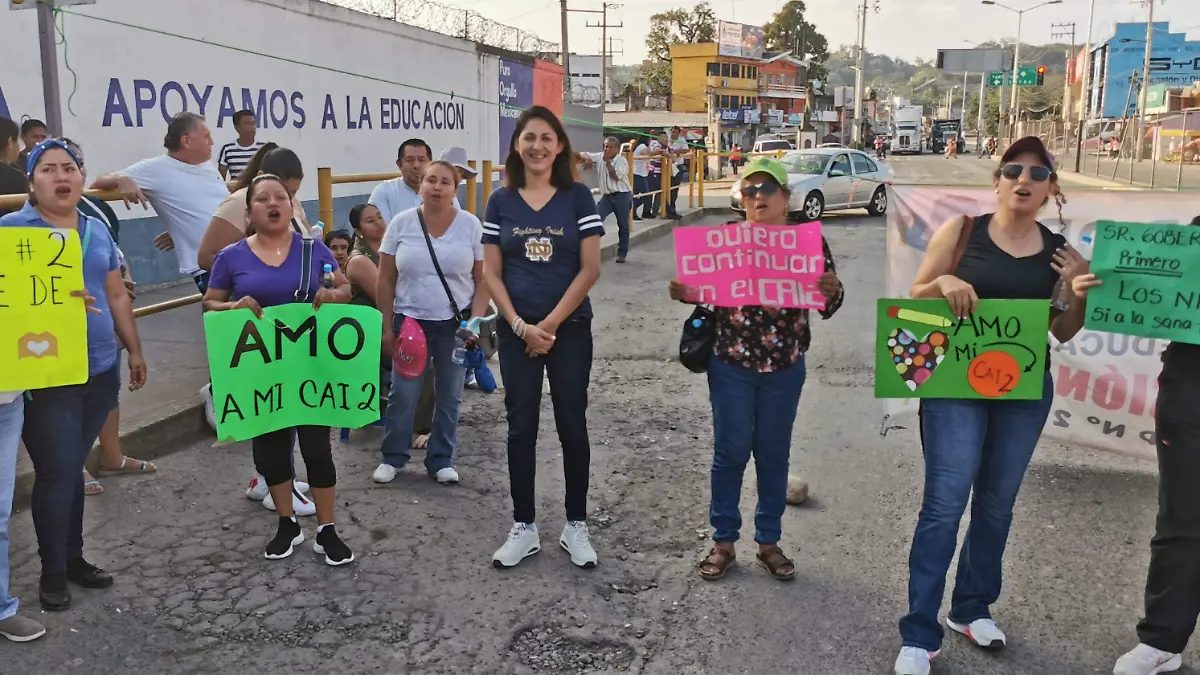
43, 329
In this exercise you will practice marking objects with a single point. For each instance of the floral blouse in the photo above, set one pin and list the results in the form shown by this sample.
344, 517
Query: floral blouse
767, 339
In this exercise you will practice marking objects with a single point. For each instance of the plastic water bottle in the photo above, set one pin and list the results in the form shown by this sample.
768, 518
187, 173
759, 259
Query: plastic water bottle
327, 276
462, 337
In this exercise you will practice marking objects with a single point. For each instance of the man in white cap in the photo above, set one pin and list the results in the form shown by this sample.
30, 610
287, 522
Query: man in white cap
458, 157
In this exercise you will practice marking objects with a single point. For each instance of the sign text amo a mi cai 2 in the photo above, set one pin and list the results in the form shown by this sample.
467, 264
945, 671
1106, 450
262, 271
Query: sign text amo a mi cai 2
136, 103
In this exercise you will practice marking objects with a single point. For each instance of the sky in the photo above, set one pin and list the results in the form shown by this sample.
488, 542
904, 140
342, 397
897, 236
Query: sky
898, 29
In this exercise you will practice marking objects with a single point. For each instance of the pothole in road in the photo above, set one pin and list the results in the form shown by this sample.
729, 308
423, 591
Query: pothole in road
546, 650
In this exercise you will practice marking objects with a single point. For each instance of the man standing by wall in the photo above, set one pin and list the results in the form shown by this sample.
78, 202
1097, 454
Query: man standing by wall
403, 193
641, 183
679, 170
616, 196
235, 155
32, 132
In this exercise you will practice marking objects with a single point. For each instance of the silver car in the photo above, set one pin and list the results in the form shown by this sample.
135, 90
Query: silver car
829, 179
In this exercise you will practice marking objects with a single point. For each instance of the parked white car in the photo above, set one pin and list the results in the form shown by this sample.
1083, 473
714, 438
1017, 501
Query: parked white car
829, 179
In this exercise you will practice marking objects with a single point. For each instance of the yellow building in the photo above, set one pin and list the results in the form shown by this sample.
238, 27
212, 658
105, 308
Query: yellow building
697, 72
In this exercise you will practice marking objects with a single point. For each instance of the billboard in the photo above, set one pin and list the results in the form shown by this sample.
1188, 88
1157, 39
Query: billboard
974, 60
516, 94
1174, 62
739, 40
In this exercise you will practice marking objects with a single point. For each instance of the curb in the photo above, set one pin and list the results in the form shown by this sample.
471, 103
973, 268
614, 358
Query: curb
186, 426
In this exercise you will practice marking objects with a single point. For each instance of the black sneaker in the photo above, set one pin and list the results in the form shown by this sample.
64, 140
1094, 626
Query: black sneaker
328, 544
54, 593
83, 573
286, 539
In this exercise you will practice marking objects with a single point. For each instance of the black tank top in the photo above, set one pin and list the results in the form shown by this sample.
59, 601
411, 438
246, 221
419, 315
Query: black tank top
996, 275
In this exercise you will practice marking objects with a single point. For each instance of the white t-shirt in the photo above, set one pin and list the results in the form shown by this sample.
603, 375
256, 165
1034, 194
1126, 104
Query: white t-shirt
394, 196
185, 196
679, 144
639, 165
419, 291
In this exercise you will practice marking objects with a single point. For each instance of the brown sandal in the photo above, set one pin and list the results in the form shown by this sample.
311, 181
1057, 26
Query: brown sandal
716, 563
779, 565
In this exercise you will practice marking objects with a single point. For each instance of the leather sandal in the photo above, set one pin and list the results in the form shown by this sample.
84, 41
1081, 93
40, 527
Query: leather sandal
716, 563
779, 565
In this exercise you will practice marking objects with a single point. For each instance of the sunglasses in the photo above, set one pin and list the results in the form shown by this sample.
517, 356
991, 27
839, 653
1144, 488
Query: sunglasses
1038, 174
765, 190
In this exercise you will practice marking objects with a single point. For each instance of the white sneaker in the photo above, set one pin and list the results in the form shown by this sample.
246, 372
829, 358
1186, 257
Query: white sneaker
447, 476
210, 413
257, 490
575, 540
301, 505
913, 661
983, 632
471, 379
384, 473
523, 541
1146, 660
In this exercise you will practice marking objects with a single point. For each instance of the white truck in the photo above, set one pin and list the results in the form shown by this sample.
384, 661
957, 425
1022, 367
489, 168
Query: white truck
906, 129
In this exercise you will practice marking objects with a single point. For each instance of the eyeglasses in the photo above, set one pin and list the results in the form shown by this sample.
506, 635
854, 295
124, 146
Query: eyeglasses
1038, 174
765, 189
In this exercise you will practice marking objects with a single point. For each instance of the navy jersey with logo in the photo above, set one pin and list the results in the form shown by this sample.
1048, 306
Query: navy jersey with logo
540, 249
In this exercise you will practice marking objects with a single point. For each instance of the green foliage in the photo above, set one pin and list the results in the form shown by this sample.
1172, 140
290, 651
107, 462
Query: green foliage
788, 30
672, 27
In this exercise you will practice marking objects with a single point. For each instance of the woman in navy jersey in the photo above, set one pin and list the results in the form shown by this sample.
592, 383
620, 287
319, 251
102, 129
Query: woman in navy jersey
983, 446
541, 237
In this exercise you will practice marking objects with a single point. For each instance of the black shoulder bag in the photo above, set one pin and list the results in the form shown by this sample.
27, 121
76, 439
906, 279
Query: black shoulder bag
459, 316
699, 336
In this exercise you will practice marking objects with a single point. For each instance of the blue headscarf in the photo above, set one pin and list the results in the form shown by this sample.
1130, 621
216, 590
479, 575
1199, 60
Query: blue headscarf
40, 149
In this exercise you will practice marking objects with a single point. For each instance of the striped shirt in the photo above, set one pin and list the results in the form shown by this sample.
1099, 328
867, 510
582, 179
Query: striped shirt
235, 157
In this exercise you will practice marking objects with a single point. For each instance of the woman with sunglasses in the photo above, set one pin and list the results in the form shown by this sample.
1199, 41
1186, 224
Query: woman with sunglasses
983, 445
1173, 582
62, 423
264, 270
754, 381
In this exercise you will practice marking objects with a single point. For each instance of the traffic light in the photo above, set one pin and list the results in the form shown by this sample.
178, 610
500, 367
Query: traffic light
1041, 79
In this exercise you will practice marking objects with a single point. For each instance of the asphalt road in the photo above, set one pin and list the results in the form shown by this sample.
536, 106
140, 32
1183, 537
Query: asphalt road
194, 594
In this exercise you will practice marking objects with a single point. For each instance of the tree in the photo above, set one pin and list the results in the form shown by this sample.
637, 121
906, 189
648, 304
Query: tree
672, 27
789, 31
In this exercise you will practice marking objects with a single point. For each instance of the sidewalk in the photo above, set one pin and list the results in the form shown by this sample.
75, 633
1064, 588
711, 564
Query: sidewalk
167, 415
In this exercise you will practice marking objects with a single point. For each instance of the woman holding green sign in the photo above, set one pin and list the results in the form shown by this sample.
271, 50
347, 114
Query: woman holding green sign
1173, 583
982, 444
277, 265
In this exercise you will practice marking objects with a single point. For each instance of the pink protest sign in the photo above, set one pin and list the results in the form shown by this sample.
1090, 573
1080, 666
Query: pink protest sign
751, 264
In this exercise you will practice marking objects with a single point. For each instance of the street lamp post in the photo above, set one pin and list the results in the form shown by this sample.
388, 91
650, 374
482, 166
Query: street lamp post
1017, 55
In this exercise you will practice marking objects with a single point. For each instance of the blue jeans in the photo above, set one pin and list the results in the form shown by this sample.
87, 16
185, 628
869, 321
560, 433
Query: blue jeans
641, 204
12, 416
753, 414
619, 204
448, 381
61, 426
979, 444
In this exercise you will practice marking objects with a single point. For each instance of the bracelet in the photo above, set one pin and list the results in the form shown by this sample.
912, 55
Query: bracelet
518, 327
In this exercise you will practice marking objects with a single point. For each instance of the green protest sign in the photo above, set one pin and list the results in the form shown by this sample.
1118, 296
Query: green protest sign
1151, 275
923, 351
295, 366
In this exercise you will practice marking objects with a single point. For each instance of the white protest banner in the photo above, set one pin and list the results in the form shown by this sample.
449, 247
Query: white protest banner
1105, 384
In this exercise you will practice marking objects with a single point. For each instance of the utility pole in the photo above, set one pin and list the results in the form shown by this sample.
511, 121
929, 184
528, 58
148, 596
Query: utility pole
856, 135
1085, 101
983, 77
1145, 90
1059, 30
566, 53
50, 91
604, 49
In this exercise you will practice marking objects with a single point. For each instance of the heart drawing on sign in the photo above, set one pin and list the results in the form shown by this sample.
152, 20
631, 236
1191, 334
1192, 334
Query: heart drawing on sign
35, 346
915, 359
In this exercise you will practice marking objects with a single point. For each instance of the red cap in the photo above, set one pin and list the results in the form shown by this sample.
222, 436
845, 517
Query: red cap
411, 350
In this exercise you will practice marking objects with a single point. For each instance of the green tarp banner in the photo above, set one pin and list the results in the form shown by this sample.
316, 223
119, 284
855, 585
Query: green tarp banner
295, 366
1151, 275
999, 352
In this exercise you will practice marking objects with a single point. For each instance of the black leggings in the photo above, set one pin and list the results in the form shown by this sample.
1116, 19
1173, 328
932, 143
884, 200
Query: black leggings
275, 456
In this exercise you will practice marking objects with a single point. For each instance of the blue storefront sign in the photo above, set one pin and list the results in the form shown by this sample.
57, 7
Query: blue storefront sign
1174, 62
732, 115
516, 94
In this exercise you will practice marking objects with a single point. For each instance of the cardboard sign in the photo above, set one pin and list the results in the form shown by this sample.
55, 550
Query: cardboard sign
751, 264
923, 351
295, 366
43, 329
1151, 275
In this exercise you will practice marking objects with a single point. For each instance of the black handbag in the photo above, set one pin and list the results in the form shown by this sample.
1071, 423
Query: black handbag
696, 342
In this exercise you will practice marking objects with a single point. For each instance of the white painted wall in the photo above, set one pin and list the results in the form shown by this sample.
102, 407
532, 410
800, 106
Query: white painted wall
340, 88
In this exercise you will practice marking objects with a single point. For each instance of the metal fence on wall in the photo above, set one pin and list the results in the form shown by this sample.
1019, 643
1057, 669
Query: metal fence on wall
585, 127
